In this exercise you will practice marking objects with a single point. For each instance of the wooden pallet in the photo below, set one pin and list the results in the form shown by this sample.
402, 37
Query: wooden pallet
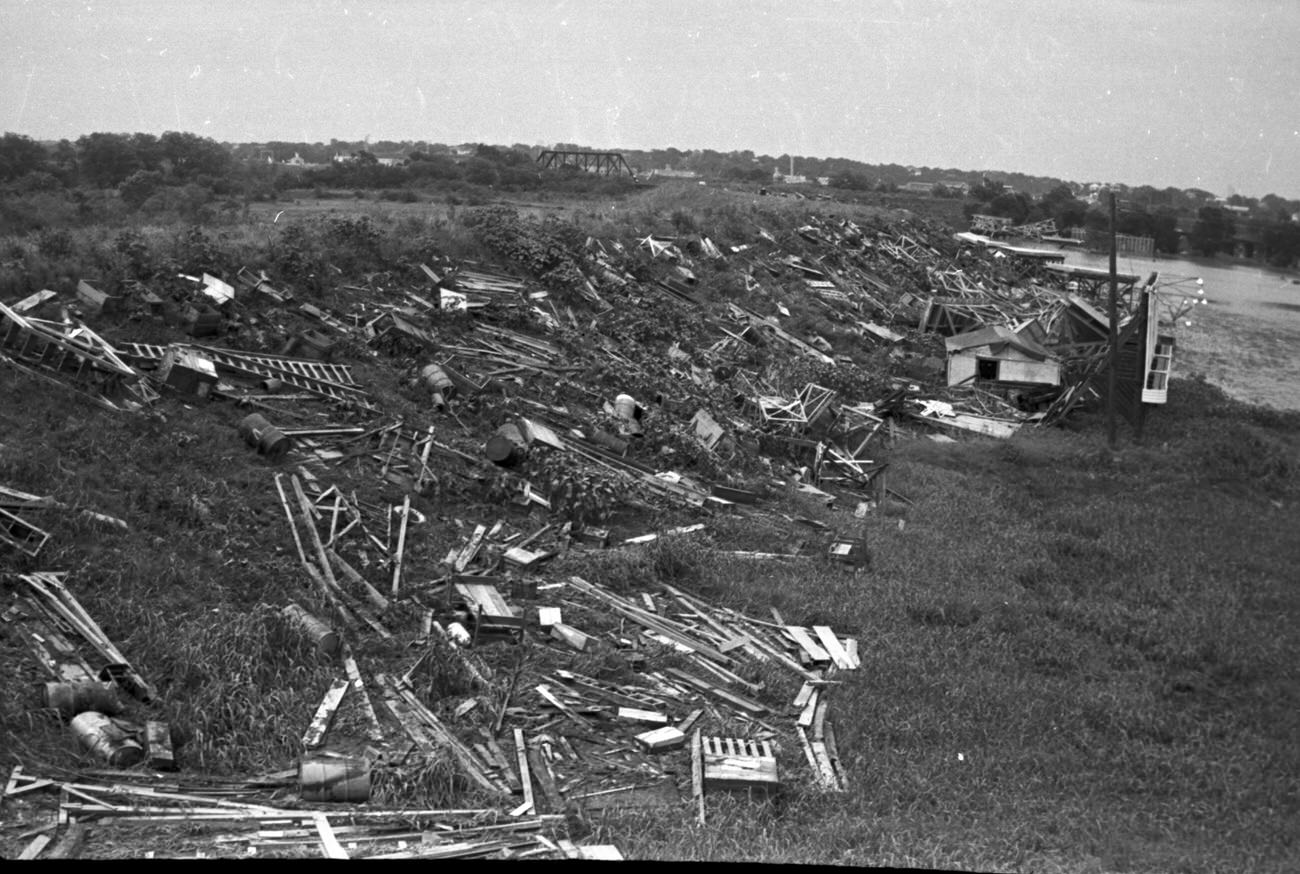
737, 763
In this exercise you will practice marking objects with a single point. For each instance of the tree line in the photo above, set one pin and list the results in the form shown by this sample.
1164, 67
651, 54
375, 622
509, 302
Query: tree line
1264, 227
183, 173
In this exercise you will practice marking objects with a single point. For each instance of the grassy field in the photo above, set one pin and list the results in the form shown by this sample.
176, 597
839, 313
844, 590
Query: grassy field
1073, 660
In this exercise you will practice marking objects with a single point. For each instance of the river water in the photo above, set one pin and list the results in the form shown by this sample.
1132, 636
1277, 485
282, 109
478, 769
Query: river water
1245, 338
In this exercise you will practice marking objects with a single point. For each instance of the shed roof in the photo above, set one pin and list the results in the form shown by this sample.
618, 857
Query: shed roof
996, 336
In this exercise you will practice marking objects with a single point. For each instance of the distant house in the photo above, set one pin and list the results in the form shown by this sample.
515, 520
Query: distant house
918, 187
789, 178
675, 174
999, 354
956, 185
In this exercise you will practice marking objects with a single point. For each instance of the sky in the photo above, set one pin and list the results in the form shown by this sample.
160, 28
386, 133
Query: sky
1185, 93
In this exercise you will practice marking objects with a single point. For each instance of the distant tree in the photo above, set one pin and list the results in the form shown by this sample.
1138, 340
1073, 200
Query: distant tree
139, 187
20, 155
986, 191
852, 181
148, 151
1164, 230
64, 161
1213, 230
1281, 241
1279, 208
480, 171
191, 155
1012, 205
1071, 213
106, 159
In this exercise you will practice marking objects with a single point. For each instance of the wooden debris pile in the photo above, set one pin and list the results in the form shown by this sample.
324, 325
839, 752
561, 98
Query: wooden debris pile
227, 819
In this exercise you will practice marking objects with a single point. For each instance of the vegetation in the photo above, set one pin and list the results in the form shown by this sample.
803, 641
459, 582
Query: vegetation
118, 177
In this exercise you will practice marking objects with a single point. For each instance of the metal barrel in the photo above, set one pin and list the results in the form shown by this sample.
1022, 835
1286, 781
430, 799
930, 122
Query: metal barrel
609, 441
97, 733
625, 406
325, 638
437, 379
265, 437
73, 698
334, 779
507, 446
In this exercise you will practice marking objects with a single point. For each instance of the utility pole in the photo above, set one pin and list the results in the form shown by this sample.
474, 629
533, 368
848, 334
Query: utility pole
1113, 367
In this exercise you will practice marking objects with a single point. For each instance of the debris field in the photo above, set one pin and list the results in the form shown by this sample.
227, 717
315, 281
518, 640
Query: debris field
618, 397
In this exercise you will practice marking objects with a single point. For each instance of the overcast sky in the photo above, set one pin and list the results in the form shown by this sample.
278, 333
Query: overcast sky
1189, 93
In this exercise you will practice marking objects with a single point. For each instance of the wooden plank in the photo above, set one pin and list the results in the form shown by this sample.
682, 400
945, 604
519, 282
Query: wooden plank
471, 549
635, 715
329, 844
375, 732
809, 710
70, 844
546, 693
542, 771
32, 850
315, 734
525, 775
485, 596
833, 756
512, 777
691, 718
800, 636
745, 704
12, 783
851, 647
401, 545
807, 750
666, 738
697, 773
572, 636
832, 645
825, 772
375, 596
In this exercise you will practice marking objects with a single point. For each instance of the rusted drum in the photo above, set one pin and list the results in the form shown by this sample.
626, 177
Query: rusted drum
334, 779
326, 639
265, 437
99, 734
73, 698
507, 446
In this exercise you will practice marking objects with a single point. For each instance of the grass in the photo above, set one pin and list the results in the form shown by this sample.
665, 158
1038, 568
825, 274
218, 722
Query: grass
1074, 659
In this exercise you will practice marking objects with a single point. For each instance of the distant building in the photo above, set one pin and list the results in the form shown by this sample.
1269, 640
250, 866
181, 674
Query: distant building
918, 187
789, 178
675, 174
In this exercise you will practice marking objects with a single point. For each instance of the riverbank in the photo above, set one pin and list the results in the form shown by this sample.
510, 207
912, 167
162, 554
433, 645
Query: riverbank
1243, 338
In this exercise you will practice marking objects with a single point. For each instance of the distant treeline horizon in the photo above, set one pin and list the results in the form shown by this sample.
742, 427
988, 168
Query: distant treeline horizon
185, 174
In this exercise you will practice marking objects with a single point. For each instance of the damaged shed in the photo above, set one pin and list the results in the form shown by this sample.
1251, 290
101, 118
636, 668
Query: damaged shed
999, 354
